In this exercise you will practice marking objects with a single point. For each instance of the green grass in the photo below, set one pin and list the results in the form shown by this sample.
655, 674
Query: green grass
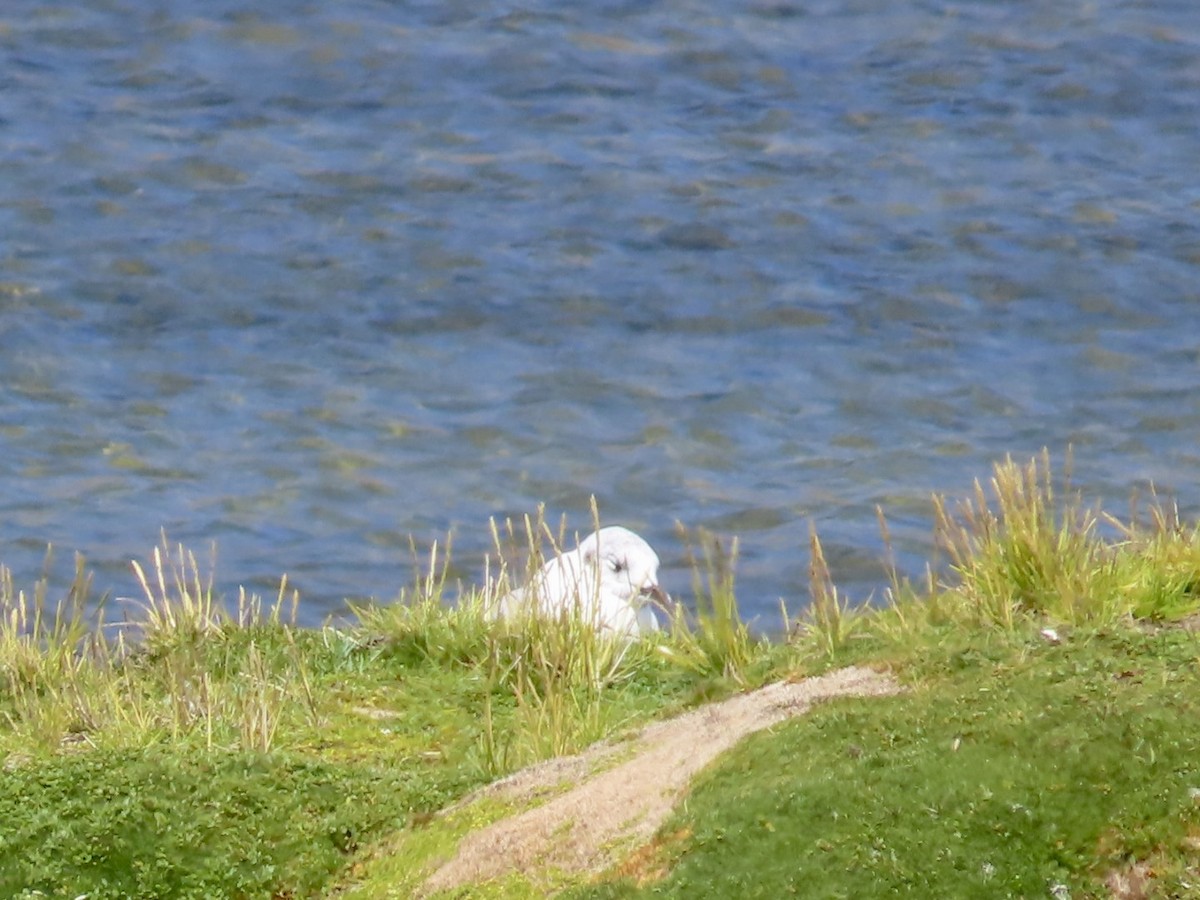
233, 754
1012, 766
158, 823
230, 753
1035, 549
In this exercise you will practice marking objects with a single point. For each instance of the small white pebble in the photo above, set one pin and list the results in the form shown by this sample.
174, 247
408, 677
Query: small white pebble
1051, 635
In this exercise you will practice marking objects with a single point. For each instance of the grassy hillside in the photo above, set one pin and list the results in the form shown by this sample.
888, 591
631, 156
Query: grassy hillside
1046, 744
1013, 768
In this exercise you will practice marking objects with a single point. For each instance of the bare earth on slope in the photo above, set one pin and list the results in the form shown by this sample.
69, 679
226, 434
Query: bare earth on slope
577, 831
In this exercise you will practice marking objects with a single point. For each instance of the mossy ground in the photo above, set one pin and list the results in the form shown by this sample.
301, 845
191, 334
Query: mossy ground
234, 755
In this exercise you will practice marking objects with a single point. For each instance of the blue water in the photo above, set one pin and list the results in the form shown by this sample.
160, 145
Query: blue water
309, 281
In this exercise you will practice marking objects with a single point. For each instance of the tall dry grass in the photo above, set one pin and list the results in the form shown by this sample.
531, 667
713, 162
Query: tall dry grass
185, 670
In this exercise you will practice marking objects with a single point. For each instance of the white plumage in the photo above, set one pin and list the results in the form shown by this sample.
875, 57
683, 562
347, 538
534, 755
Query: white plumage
609, 580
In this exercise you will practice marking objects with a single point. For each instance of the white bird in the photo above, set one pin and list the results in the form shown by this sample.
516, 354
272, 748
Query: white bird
609, 580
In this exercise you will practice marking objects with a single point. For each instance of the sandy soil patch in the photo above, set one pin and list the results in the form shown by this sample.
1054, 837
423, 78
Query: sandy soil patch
577, 831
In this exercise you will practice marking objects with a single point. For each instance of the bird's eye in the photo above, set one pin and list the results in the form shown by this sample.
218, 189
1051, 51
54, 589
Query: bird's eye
618, 565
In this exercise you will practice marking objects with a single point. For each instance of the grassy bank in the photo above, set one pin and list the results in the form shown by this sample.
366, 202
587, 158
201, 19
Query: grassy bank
1015, 768
1046, 745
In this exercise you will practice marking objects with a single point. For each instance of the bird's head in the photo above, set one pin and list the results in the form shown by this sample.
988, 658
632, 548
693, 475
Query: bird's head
626, 566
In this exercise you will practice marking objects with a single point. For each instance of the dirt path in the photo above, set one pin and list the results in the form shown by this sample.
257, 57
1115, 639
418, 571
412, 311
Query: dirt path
576, 831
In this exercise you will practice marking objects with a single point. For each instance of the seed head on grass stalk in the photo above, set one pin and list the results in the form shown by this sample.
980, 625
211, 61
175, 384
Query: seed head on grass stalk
830, 622
250, 607
181, 606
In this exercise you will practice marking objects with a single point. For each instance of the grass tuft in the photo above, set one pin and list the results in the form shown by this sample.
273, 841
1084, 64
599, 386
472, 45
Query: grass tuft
830, 622
1028, 552
716, 643
180, 603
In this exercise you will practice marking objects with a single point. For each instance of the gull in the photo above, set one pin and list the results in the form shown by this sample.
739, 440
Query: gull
609, 581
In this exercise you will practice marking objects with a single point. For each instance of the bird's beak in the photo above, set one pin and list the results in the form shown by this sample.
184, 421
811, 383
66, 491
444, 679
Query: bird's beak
658, 595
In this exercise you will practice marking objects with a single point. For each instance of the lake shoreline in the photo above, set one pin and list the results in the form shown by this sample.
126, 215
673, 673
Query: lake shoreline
345, 753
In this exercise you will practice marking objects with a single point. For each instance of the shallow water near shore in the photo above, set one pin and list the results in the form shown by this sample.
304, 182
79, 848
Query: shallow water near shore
307, 282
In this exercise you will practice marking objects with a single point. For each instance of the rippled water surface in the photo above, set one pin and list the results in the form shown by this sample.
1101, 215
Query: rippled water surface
307, 281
